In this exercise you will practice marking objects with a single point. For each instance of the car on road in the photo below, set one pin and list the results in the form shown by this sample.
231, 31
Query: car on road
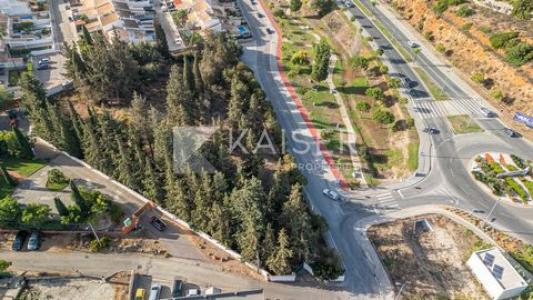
260, 15
412, 44
253, 2
333, 91
486, 112
43, 64
269, 31
431, 130
510, 133
158, 224
477, 211
18, 242
193, 292
155, 291
349, 4
34, 243
139, 294
331, 194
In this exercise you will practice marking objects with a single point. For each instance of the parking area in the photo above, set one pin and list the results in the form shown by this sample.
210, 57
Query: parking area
53, 75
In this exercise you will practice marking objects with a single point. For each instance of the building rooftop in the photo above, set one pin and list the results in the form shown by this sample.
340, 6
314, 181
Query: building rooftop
500, 268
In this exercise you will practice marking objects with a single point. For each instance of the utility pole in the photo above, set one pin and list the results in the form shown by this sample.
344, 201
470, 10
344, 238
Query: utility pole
94, 232
492, 210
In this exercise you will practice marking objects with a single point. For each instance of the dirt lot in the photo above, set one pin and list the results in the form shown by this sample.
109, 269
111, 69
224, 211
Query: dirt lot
80, 242
431, 264
74, 289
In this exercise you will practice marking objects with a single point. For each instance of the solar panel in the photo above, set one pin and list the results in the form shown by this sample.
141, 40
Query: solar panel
497, 271
488, 259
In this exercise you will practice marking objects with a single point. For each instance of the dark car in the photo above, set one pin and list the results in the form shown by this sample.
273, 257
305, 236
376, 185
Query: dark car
260, 15
19, 240
509, 132
34, 243
158, 224
177, 286
269, 31
431, 130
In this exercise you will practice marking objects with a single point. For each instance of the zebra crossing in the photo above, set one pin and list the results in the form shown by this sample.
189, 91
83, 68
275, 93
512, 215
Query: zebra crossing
436, 109
385, 201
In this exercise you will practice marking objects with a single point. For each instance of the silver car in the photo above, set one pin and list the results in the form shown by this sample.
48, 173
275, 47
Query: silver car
331, 194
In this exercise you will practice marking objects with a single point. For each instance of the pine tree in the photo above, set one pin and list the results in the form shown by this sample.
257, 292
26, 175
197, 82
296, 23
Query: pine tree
7, 178
93, 150
219, 224
79, 200
108, 144
179, 202
151, 185
295, 217
279, 262
248, 240
125, 174
77, 124
198, 82
25, 148
61, 208
180, 103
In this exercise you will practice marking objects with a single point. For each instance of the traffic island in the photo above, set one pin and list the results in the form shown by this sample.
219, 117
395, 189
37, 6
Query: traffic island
506, 176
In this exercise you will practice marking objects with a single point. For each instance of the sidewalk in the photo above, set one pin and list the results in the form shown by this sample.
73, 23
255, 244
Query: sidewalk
352, 137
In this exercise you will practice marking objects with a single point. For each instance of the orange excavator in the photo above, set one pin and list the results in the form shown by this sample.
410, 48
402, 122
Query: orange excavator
131, 223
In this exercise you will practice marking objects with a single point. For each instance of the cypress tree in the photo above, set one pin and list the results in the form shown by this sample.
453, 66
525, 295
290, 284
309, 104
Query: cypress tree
7, 178
198, 82
279, 262
79, 200
25, 148
86, 35
61, 208
188, 76
76, 122
151, 185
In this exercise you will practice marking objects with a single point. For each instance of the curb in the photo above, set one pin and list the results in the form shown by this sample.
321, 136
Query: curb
299, 105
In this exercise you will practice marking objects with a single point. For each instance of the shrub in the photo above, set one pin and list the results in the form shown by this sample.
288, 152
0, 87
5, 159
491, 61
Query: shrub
497, 94
56, 180
429, 36
516, 188
518, 161
383, 117
363, 106
497, 168
465, 11
295, 5
467, 26
300, 57
529, 186
278, 13
375, 92
485, 29
394, 82
329, 266
479, 176
478, 77
441, 6
522, 9
441, 48
502, 39
519, 54
99, 245
359, 62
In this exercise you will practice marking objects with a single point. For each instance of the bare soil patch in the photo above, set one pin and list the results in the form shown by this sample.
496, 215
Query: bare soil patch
429, 264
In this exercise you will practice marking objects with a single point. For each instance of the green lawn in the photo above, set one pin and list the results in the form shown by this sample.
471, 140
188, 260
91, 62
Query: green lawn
463, 124
436, 92
56, 186
23, 167
412, 160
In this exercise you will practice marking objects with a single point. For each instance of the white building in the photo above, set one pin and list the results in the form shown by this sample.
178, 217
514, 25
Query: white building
497, 275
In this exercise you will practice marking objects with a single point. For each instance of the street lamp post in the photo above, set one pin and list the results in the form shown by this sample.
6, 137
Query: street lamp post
487, 219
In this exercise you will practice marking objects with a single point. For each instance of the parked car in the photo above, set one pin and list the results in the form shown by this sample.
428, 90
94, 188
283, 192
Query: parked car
139, 294
158, 224
18, 242
487, 112
177, 285
431, 130
193, 292
270, 31
349, 4
155, 291
510, 133
34, 243
43, 64
260, 15
331, 194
